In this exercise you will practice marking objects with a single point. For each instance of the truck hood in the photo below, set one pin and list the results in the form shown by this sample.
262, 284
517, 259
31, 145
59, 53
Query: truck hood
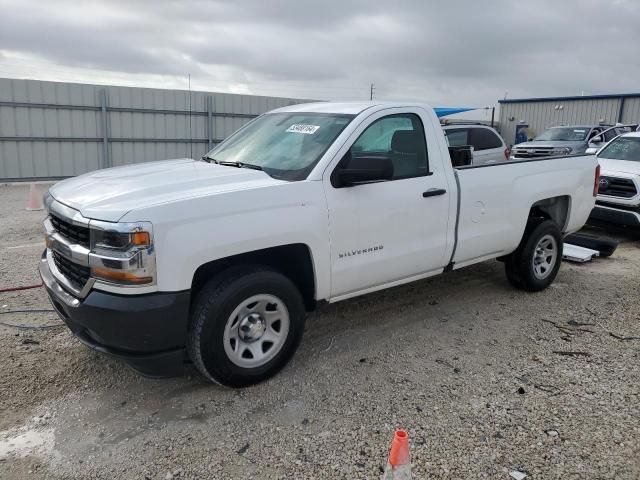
550, 144
111, 193
619, 166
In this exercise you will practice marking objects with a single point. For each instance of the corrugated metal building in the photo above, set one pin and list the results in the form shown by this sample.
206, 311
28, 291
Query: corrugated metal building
542, 113
53, 130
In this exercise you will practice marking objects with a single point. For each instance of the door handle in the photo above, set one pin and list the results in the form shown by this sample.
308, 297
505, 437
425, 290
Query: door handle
434, 192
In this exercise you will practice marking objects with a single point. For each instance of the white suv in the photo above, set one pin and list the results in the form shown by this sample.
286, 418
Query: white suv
488, 146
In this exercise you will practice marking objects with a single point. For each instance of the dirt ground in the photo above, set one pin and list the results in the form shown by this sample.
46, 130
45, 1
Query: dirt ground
487, 380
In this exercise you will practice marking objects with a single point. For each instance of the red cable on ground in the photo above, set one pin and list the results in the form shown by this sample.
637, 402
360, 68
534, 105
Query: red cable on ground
15, 289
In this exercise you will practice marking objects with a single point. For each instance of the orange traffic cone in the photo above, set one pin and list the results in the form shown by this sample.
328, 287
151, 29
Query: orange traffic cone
35, 201
399, 463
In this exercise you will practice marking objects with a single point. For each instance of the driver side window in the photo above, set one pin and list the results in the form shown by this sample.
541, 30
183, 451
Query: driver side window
594, 133
399, 137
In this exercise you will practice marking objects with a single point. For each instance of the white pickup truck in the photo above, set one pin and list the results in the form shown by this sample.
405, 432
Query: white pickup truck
619, 190
216, 261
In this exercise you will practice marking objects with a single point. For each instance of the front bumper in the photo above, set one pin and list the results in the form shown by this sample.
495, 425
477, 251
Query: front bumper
618, 216
148, 331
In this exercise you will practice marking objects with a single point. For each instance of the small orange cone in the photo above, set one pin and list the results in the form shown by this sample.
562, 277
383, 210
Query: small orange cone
399, 463
35, 201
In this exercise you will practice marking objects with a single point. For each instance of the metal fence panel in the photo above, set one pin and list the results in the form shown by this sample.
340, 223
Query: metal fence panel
53, 130
540, 115
631, 110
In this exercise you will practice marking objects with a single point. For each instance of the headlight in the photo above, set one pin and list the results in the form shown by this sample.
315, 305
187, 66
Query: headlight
121, 241
562, 151
122, 253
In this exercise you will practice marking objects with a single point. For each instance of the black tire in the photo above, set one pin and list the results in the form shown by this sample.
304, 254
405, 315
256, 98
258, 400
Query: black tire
212, 309
519, 266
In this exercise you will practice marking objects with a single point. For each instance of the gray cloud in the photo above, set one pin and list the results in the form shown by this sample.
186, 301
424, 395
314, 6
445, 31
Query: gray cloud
444, 52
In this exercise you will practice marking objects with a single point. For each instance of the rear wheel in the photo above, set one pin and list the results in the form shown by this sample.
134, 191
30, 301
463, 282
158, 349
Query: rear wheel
246, 325
535, 263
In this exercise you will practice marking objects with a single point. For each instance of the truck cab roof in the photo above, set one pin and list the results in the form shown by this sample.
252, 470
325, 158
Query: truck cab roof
346, 108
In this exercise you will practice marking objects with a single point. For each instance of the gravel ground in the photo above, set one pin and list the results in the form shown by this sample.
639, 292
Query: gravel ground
478, 373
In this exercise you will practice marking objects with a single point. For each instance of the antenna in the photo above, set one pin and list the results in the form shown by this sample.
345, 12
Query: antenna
371, 91
190, 110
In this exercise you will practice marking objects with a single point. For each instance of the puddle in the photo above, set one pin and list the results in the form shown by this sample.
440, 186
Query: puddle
21, 442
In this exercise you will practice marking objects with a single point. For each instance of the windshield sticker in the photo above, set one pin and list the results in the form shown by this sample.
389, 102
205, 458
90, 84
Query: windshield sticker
300, 128
578, 131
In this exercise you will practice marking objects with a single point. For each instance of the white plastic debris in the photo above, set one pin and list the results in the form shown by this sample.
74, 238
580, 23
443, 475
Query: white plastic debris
517, 475
574, 253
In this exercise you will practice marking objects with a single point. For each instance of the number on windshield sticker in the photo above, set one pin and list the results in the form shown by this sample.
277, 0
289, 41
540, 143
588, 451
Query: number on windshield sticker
300, 128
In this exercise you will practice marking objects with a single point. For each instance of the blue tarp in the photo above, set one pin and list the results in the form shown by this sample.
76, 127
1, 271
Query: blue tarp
444, 111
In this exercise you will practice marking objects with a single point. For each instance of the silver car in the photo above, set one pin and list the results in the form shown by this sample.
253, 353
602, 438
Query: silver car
558, 141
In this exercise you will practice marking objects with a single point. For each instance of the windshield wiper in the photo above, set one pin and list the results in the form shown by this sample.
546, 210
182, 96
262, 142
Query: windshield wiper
208, 159
238, 164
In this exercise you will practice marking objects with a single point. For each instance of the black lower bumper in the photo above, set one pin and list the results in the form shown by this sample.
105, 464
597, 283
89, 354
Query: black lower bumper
618, 216
148, 331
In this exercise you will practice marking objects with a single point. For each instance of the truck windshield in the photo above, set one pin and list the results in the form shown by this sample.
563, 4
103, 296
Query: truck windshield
622, 148
285, 145
563, 134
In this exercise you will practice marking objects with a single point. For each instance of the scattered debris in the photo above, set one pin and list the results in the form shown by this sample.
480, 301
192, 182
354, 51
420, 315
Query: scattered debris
243, 449
552, 433
621, 337
546, 388
521, 390
575, 323
330, 344
614, 335
30, 341
572, 354
444, 362
568, 332
518, 475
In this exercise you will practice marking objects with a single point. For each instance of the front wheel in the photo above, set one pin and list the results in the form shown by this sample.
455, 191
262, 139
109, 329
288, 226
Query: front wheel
246, 325
535, 263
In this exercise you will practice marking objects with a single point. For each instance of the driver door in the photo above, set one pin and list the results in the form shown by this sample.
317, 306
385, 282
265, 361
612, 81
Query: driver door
387, 231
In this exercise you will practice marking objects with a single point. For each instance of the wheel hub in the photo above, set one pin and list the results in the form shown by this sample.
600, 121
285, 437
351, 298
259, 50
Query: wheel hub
256, 331
545, 257
251, 327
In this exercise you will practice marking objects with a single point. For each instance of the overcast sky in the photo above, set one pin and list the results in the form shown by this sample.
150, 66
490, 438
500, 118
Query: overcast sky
444, 52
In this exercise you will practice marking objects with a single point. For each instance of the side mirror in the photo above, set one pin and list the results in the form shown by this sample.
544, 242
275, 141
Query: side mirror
357, 170
461, 156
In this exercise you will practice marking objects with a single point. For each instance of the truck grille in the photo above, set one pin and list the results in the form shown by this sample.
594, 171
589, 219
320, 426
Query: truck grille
75, 233
77, 274
531, 152
617, 187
